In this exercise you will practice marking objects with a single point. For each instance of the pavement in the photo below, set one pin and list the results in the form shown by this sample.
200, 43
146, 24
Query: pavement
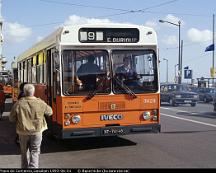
9, 151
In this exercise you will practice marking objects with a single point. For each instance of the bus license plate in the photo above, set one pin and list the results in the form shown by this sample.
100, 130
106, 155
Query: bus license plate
113, 131
187, 101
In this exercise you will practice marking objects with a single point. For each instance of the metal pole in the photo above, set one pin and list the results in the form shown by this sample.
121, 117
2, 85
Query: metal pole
213, 49
176, 74
179, 54
167, 80
179, 60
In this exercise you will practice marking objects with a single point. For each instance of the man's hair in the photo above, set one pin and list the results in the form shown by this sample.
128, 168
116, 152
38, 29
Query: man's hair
29, 90
91, 58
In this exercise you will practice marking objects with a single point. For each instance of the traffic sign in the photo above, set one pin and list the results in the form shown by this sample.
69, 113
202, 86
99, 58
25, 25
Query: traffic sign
187, 74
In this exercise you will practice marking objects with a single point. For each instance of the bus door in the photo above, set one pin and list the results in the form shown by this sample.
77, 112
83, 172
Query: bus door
55, 82
53, 72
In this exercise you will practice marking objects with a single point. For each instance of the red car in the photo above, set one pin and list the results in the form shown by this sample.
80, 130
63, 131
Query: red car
2, 100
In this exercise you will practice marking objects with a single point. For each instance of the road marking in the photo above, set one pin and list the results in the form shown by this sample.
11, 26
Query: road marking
171, 109
185, 119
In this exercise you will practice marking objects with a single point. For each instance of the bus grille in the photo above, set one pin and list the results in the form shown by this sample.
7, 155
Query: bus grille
104, 106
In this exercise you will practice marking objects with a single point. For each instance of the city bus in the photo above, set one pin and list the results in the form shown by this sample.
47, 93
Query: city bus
98, 101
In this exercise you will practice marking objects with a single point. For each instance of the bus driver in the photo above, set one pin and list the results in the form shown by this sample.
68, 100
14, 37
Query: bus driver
125, 69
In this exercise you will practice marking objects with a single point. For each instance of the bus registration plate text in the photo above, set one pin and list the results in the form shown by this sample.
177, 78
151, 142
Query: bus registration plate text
113, 131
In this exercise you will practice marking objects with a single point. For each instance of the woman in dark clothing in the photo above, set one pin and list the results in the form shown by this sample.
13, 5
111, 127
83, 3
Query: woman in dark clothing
21, 94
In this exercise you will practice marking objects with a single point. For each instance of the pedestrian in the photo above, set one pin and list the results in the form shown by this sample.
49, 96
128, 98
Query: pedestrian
29, 115
21, 94
2, 100
21, 90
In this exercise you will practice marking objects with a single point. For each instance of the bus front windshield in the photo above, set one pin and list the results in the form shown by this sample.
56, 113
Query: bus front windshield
85, 71
134, 71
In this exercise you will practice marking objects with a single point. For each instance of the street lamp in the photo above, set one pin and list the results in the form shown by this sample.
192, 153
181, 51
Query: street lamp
179, 56
166, 69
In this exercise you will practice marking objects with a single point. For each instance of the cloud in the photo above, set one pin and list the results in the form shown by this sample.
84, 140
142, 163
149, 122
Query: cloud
151, 24
15, 32
198, 36
171, 40
39, 38
76, 20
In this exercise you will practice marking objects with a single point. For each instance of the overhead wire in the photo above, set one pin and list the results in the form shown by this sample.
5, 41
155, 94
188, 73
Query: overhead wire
123, 11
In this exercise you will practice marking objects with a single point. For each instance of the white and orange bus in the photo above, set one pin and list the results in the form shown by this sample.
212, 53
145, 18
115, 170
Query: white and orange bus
112, 103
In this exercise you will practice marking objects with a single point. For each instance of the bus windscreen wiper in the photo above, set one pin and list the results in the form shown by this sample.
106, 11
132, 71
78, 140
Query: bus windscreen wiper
91, 94
125, 87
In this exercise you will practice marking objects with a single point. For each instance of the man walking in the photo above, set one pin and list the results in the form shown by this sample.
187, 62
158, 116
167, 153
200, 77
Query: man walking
29, 114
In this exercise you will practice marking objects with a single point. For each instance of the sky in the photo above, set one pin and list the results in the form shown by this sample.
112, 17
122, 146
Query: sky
25, 22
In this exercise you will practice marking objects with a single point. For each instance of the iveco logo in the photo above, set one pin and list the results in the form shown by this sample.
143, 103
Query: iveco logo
111, 117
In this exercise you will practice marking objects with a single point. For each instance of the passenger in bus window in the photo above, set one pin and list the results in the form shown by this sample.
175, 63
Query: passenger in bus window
87, 73
125, 69
29, 115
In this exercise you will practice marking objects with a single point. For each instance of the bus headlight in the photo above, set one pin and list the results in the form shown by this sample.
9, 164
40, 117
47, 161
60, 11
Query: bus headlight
76, 119
146, 115
67, 123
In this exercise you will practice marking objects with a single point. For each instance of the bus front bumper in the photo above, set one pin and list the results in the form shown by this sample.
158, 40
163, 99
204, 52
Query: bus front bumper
109, 131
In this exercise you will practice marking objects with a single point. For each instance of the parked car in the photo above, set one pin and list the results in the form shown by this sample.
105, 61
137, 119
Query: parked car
176, 94
205, 94
214, 102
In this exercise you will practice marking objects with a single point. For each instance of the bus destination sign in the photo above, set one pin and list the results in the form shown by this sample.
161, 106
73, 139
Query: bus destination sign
109, 35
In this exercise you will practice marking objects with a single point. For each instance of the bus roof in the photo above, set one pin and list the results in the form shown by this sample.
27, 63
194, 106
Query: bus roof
66, 36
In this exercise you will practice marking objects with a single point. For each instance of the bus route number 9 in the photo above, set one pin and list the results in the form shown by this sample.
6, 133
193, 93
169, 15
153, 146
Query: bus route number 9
91, 36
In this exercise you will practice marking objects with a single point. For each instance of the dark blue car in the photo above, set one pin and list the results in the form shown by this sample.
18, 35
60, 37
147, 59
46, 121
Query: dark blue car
176, 94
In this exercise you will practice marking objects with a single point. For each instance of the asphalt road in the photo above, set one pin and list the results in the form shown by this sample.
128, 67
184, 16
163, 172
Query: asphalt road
187, 140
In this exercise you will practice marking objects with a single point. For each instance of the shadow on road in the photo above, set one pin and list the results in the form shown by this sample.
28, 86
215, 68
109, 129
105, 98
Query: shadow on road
53, 145
49, 145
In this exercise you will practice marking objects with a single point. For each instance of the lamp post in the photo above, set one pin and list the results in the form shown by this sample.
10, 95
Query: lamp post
166, 69
176, 74
179, 56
